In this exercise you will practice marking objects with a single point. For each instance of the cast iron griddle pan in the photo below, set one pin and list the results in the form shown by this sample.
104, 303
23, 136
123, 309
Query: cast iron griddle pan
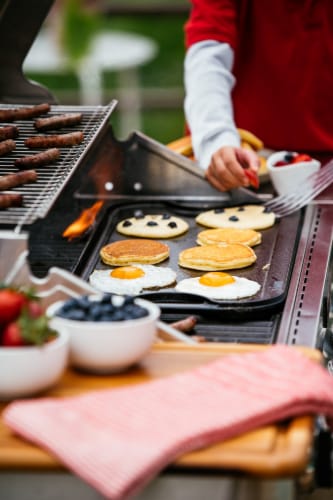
275, 257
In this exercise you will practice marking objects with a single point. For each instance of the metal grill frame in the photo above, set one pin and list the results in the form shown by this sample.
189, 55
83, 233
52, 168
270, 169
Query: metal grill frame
39, 197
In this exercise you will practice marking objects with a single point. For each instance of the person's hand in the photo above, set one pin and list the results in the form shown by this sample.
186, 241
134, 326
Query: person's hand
227, 168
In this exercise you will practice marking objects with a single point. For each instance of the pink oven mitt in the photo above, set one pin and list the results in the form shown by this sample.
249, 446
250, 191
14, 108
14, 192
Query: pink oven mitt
119, 439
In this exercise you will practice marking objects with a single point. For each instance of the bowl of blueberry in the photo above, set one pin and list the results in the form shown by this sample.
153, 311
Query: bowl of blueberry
288, 169
108, 333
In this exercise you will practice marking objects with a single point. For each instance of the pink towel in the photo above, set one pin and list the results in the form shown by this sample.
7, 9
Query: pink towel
119, 439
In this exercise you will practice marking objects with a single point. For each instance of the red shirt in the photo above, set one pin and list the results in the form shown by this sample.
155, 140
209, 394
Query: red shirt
283, 66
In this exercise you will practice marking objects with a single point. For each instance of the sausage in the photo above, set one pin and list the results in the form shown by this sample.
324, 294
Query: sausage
7, 146
10, 200
17, 179
52, 141
58, 121
38, 160
185, 325
12, 114
8, 132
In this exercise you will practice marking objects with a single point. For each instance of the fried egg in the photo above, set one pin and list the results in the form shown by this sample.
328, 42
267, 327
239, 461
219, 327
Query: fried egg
131, 280
219, 285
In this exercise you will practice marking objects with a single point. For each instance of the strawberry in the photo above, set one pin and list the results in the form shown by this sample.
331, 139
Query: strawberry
12, 336
302, 157
11, 304
253, 178
27, 331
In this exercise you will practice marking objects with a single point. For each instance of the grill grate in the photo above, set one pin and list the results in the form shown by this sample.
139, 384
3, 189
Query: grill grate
39, 196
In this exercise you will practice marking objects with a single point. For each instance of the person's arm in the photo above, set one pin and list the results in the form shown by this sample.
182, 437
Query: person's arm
209, 114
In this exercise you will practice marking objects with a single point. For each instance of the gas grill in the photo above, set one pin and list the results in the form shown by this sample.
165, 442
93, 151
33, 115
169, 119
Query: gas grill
140, 173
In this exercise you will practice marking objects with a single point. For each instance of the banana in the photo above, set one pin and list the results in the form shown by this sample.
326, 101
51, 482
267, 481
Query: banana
251, 139
182, 146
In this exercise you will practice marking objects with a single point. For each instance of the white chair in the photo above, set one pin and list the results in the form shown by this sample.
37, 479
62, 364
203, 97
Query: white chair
120, 52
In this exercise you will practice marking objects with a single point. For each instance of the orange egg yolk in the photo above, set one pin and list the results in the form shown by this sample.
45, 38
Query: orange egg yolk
216, 279
127, 273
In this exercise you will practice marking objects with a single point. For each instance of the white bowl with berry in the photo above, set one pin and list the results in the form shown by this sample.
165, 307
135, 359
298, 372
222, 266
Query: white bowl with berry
288, 169
108, 333
33, 356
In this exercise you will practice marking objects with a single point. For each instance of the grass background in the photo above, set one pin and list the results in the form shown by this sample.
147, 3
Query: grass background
161, 80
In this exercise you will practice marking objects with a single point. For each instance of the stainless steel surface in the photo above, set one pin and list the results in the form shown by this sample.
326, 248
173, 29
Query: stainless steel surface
305, 192
305, 312
39, 196
142, 169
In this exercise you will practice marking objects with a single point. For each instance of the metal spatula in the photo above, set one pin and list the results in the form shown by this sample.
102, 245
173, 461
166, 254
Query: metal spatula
284, 205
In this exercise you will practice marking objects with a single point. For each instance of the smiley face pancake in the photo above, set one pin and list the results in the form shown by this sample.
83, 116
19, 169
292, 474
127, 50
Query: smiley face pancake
217, 257
219, 285
153, 226
244, 217
140, 251
229, 235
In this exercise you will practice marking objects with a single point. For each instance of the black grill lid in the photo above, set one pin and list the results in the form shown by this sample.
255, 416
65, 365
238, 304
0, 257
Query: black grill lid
20, 22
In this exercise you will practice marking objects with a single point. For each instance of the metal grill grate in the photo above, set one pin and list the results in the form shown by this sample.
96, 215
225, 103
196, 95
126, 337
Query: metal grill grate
39, 196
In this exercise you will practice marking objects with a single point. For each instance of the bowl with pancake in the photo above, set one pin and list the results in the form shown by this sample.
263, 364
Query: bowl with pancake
108, 333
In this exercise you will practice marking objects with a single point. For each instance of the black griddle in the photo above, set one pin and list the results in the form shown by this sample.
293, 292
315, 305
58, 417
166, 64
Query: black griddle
275, 256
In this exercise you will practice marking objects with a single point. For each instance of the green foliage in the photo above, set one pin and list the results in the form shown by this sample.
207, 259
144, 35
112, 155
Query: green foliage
77, 29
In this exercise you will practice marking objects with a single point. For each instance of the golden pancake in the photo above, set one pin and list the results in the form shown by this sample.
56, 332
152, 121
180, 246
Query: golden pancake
153, 226
229, 235
217, 257
121, 253
244, 217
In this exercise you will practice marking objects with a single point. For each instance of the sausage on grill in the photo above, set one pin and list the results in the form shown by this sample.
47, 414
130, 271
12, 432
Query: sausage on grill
12, 114
38, 160
10, 200
8, 132
17, 179
7, 146
54, 141
58, 121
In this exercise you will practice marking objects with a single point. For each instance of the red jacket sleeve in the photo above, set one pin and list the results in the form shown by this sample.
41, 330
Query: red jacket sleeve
212, 20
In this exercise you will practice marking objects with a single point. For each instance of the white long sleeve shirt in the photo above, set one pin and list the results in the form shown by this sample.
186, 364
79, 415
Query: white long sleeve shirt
208, 106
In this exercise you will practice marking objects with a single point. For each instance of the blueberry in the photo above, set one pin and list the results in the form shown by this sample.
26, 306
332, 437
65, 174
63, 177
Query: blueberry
118, 315
233, 218
166, 216
288, 157
138, 214
127, 223
68, 305
241, 209
77, 314
219, 210
172, 224
152, 223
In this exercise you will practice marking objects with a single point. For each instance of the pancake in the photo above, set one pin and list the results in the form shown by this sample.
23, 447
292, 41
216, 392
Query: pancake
217, 257
229, 235
124, 252
244, 217
153, 226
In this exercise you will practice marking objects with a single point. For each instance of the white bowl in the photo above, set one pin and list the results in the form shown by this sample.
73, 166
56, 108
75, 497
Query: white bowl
108, 346
287, 177
28, 370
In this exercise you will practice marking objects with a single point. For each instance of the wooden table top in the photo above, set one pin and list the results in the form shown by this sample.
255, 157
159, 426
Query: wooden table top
279, 450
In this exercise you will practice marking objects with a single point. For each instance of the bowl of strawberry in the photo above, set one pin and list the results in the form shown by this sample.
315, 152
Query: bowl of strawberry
288, 169
33, 355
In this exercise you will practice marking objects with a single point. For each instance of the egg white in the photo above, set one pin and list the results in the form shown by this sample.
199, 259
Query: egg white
155, 277
240, 288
